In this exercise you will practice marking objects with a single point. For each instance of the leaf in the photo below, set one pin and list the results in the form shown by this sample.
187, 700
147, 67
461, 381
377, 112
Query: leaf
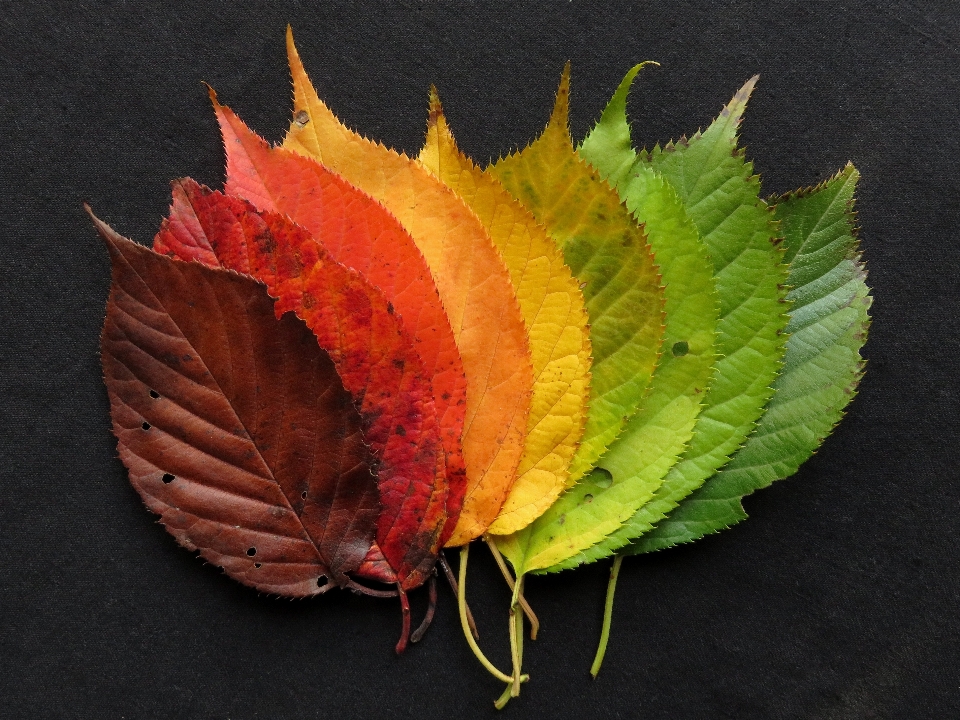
721, 195
655, 438
473, 283
234, 425
373, 355
822, 366
555, 317
359, 233
609, 254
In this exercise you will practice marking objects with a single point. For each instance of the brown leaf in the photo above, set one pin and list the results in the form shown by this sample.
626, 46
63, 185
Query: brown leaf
234, 425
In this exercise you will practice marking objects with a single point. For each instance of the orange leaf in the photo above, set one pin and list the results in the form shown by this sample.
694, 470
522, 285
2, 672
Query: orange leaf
358, 232
474, 287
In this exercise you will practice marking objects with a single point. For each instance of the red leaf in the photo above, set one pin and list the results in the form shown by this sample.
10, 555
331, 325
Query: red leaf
360, 233
234, 426
373, 353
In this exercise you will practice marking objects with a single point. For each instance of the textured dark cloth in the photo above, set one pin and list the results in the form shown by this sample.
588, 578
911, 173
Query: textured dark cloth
836, 599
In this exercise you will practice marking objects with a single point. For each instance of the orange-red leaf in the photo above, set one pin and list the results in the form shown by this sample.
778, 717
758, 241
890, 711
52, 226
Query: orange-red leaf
473, 283
373, 353
234, 426
358, 232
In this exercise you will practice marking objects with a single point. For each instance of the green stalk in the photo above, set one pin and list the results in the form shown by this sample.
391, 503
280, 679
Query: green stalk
607, 614
527, 610
464, 623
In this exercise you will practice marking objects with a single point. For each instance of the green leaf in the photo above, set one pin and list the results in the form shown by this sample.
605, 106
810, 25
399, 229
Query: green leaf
655, 437
609, 255
722, 196
828, 325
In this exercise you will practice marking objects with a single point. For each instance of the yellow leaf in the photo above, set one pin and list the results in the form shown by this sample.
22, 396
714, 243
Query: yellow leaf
556, 320
473, 283
609, 255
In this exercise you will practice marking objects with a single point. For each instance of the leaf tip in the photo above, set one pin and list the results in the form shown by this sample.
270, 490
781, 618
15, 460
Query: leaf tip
561, 107
436, 108
212, 94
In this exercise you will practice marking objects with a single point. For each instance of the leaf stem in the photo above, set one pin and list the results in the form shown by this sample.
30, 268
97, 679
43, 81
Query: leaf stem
516, 636
607, 614
462, 606
527, 610
448, 573
418, 634
405, 614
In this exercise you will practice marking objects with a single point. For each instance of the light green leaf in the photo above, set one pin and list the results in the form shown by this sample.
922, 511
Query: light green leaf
828, 325
657, 435
722, 196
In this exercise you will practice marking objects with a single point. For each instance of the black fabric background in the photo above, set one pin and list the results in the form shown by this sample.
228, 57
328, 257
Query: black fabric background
836, 599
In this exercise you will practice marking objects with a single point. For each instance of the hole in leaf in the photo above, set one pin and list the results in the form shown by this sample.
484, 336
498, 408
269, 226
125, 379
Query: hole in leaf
168, 478
681, 348
301, 118
251, 552
258, 565
588, 498
304, 494
146, 425
600, 477
154, 394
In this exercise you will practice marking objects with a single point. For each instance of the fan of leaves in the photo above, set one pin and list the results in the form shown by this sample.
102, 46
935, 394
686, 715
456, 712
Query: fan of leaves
350, 359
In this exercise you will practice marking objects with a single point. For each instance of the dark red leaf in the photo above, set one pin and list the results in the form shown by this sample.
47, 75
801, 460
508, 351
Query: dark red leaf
374, 355
234, 426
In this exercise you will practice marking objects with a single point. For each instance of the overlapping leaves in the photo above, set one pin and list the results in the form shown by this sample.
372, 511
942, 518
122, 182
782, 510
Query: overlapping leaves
350, 358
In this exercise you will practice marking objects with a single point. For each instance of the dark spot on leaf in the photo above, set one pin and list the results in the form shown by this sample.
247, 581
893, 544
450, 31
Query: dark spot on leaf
680, 348
301, 118
252, 551
561, 520
390, 308
187, 358
168, 478
401, 431
398, 363
154, 394
146, 425
446, 396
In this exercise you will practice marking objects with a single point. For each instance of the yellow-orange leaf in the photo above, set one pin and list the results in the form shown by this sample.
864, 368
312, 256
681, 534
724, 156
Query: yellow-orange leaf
473, 283
556, 319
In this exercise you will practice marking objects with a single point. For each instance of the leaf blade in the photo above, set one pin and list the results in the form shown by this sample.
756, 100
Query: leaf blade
555, 317
207, 447
374, 357
828, 325
722, 197
359, 233
656, 437
474, 287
